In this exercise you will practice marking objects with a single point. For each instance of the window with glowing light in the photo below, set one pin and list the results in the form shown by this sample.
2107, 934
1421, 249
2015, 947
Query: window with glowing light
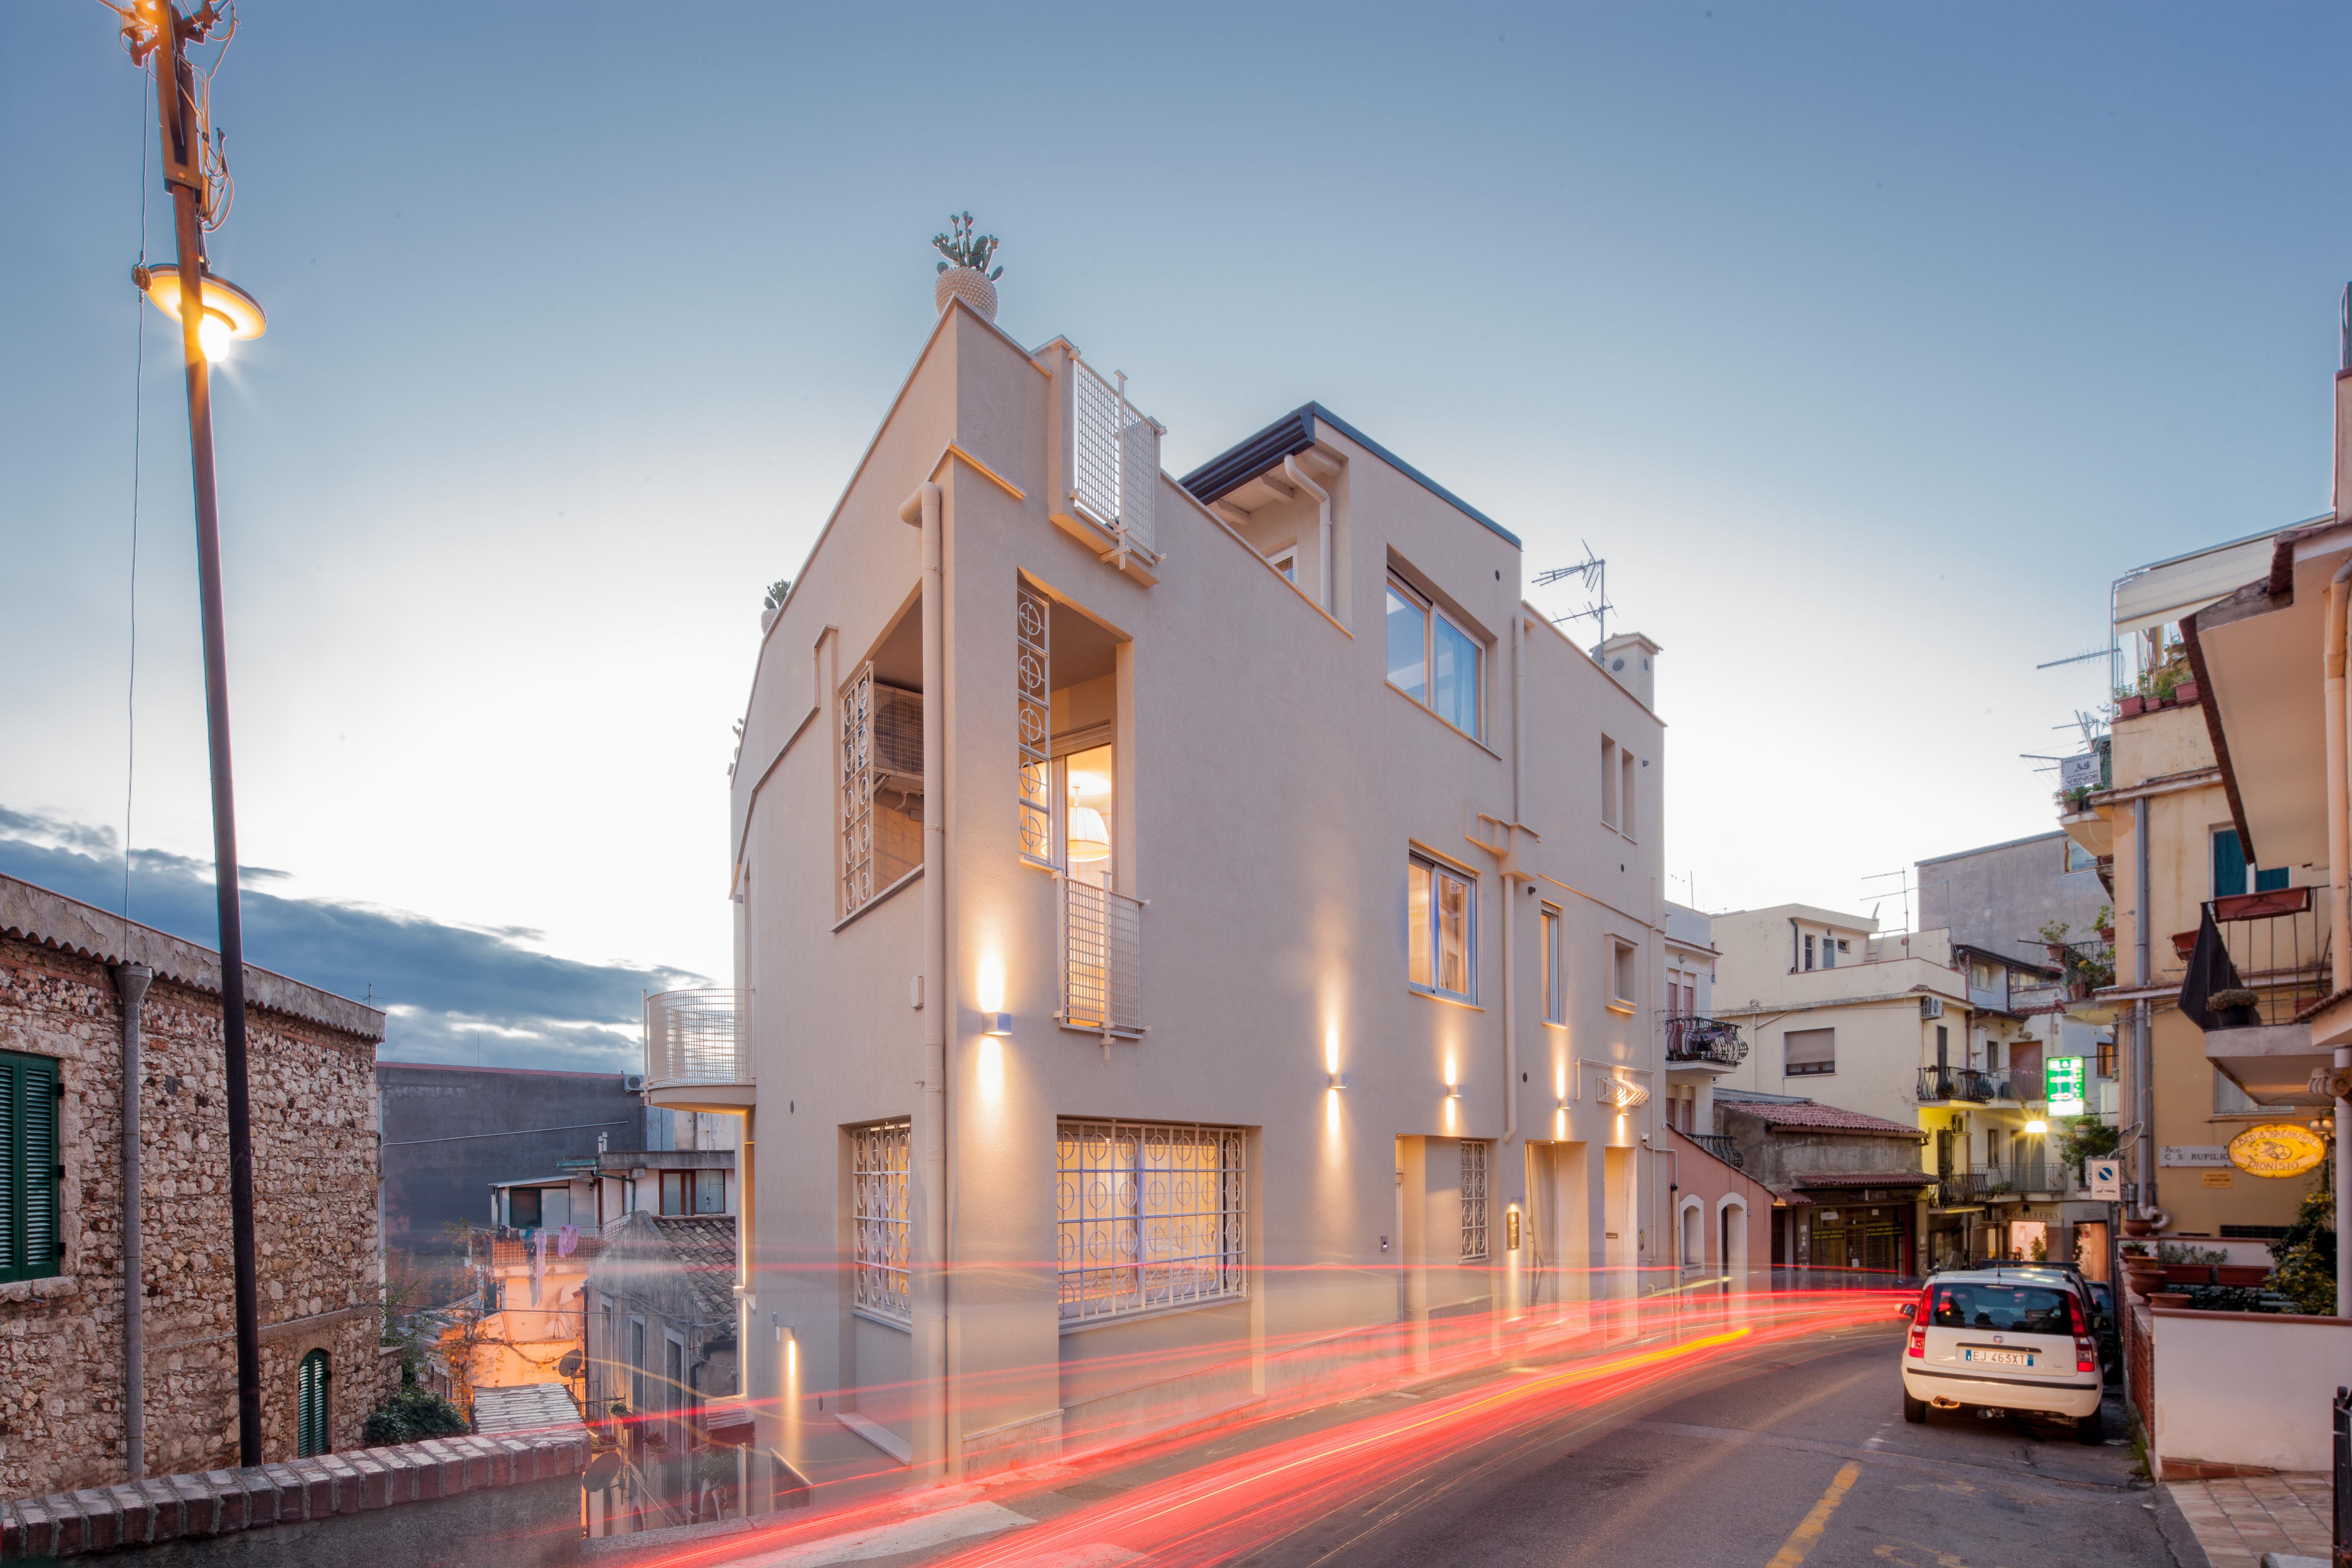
1474, 1198
879, 1169
1149, 1217
1441, 918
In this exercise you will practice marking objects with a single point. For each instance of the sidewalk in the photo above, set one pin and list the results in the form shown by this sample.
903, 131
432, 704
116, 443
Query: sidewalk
2239, 1518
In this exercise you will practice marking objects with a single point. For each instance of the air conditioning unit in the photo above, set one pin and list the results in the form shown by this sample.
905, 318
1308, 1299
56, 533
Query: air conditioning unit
1931, 1007
633, 1082
899, 736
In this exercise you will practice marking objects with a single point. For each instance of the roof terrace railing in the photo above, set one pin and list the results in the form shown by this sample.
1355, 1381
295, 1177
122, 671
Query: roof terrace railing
697, 1037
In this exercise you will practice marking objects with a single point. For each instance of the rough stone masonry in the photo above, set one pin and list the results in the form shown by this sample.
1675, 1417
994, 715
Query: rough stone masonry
312, 1059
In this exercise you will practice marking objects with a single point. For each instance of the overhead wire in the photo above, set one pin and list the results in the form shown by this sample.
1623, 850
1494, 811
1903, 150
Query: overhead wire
138, 426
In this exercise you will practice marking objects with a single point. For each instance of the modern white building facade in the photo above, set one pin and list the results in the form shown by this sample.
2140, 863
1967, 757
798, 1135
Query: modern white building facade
1176, 923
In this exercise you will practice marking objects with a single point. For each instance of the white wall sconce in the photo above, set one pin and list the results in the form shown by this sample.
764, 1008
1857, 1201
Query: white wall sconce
1456, 1091
1338, 1080
996, 1023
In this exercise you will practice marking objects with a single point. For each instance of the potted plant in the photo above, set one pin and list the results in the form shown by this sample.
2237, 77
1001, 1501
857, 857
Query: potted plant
964, 275
2128, 703
2141, 1268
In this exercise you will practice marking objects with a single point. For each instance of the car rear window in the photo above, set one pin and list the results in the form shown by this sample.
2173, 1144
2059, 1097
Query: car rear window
2019, 1308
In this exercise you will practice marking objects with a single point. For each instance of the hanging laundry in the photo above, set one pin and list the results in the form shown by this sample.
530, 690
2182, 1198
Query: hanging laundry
567, 1240
538, 1261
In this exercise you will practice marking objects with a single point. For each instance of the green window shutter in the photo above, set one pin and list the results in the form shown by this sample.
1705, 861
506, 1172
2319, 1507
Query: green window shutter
312, 1436
30, 1248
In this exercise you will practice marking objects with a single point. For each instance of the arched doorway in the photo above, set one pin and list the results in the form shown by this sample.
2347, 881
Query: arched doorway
1733, 1218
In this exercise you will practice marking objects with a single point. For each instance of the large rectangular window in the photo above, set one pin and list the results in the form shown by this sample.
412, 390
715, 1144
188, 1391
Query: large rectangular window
2232, 874
1555, 991
1808, 1051
1431, 659
30, 1248
1441, 911
1621, 976
879, 1168
1149, 1217
1474, 1198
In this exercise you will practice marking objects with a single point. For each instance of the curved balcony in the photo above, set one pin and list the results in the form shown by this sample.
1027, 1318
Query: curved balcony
697, 1052
1695, 1040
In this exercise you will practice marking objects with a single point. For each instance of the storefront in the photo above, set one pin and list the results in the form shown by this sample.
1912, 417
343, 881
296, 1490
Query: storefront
1871, 1230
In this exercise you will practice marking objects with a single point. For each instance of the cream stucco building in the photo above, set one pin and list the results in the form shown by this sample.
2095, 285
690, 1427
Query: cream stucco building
1177, 922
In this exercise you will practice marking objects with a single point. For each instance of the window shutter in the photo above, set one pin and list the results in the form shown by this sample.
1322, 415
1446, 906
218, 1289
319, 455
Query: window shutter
1809, 1050
30, 1248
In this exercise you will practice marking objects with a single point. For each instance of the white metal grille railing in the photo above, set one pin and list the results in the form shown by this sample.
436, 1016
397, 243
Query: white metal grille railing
1033, 654
1114, 459
858, 882
1474, 1198
1149, 1215
879, 1166
696, 1036
1102, 958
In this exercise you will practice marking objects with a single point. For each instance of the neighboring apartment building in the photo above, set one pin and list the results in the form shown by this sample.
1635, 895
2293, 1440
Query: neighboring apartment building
71, 975
1141, 884
1848, 1192
1914, 1029
2169, 838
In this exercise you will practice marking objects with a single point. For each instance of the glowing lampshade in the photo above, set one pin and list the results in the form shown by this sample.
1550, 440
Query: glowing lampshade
1087, 839
230, 313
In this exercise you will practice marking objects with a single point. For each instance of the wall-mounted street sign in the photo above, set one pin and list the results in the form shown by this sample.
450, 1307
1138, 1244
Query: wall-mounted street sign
2106, 1180
2277, 1148
2192, 1154
2062, 1085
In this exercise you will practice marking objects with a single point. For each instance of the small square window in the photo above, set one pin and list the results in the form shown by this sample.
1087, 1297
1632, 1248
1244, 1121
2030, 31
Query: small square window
1809, 1052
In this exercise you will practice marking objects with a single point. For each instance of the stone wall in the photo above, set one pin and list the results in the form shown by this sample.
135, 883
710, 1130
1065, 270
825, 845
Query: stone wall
312, 1090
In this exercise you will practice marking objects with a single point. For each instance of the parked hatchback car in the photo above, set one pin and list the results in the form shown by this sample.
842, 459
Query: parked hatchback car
2004, 1341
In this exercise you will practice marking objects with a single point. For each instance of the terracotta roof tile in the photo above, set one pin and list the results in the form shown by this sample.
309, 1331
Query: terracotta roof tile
1864, 1179
1812, 1116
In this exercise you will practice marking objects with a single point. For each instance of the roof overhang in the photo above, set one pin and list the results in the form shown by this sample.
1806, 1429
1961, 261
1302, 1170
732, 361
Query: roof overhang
1294, 432
2257, 655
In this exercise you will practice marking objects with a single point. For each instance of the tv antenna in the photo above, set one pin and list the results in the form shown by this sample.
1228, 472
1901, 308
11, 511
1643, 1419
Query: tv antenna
1905, 889
1593, 571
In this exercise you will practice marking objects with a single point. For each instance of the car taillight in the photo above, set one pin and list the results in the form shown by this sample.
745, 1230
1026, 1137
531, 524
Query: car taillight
2086, 1349
1919, 1346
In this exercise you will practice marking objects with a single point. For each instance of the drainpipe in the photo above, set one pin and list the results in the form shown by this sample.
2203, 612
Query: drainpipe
2143, 1053
1298, 475
2339, 850
130, 981
1510, 878
923, 508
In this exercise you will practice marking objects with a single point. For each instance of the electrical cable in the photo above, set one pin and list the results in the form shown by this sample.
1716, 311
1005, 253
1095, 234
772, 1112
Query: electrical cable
137, 421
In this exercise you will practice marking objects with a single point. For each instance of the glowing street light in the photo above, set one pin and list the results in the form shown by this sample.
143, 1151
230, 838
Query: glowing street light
230, 313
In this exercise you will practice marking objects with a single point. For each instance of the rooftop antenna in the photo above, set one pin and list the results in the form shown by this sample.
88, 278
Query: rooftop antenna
1594, 573
1904, 889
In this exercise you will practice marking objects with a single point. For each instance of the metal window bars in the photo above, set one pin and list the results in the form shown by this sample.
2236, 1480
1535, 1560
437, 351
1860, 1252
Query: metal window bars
858, 883
1102, 958
881, 784
1474, 1198
878, 1167
1114, 460
696, 1036
1032, 668
1694, 1037
1149, 1217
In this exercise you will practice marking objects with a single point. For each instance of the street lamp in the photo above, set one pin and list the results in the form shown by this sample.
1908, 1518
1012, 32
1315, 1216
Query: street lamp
230, 315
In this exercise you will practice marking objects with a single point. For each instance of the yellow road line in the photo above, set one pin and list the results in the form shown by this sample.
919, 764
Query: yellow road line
1808, 1533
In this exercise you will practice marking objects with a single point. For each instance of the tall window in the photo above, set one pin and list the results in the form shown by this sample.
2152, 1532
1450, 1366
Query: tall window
1621, 979
1808, 949
1806, 1052
1441, 911
878, 1166
881, 788
2107, 1059
312, 1433
1149, 1215
1032, 671
636, 1365
1555, 991
1628, 789
1610, 782
1474, 1198
1432, 660
29, 1245
2232, 874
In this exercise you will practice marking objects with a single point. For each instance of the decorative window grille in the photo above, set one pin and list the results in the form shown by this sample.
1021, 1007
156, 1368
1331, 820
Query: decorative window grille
1114, 459
878, 1164
857, 884
1150, 1215
313, 1435
28, 1166
881, 787
1102, 958
1032, 630
1474, 1198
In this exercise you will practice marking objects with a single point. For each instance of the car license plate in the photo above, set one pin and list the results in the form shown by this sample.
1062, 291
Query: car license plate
1997, 1358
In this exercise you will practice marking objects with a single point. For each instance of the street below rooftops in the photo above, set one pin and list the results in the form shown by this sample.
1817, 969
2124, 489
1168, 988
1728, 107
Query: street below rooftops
1756, 1440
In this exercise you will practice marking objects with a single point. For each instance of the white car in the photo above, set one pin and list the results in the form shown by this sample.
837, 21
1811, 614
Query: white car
2003, 1342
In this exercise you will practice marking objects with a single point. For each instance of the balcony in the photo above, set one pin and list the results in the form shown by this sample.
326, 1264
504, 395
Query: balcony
1721, 1147
1695, 1040
698, 1052
1939, 1086
2277, 944
1102, 953
2004, 1183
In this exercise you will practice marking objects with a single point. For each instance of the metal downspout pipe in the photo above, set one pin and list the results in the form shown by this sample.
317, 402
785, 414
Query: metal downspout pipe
131, 982
1298, 475
1511, 877
2339, 849
923, 508
2143, 1054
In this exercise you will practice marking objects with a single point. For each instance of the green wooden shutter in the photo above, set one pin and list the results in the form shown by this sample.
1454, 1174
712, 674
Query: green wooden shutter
312, 1436
29, 1247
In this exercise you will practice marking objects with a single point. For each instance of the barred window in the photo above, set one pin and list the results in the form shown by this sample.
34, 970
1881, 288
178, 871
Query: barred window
1474, 1198
879, 1159
1150, 1215
1031, 672
881, 788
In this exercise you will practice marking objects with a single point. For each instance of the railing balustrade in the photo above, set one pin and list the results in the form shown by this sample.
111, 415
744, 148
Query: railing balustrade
1721, 1147
697, 1037
1102, 958
1695, 1038
1937, 1085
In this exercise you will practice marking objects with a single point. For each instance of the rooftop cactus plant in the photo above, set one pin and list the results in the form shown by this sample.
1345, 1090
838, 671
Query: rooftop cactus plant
964, 249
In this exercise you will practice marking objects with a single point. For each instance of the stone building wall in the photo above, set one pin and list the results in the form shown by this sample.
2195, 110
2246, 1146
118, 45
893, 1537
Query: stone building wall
313, 1093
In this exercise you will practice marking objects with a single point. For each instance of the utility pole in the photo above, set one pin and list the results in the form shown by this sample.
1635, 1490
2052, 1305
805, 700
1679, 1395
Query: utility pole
158, 35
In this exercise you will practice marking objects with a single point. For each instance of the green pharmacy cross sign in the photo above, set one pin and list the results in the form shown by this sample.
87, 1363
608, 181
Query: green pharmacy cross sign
2062, 1083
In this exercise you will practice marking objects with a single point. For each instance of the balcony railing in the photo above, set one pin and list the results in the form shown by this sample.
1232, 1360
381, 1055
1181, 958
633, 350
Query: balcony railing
2278, 942
2016, 1179
1694, 1037
1937, 1085
1115, 461
696, 1037
1721, 1147
1102, 959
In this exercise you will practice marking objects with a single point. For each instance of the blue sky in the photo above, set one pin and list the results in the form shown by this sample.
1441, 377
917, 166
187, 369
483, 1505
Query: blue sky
1868, 343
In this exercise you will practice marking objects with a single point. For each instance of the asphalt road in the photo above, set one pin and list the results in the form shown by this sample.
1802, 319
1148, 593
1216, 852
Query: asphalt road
1729, 1473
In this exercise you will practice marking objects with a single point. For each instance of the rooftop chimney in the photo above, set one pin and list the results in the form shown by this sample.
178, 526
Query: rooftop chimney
1628, 658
